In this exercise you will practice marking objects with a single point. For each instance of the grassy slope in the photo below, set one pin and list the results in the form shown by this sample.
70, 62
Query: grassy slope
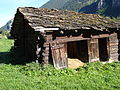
54, 4
5, 45
93, 76
117, 19
76, 5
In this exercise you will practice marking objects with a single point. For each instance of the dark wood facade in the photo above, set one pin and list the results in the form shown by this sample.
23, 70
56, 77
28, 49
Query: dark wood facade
53, 42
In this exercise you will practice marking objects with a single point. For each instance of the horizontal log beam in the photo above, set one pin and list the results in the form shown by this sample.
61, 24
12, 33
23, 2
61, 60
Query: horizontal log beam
103, 35
78, 38
69, 39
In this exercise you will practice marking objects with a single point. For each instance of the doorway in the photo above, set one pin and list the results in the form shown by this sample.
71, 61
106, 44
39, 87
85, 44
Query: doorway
78, 50
104, 49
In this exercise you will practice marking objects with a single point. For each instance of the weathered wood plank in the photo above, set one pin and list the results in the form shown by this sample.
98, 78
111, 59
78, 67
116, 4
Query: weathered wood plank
70, 39
59, 55
114, 48
93, 50
64, 39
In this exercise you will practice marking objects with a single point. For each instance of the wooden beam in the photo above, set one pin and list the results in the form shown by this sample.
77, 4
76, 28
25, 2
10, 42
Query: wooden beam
69, 39
103, 35
100, 36
45, 29
77, 38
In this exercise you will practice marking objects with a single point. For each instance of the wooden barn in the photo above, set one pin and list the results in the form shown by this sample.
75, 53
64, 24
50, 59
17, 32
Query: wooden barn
53, 36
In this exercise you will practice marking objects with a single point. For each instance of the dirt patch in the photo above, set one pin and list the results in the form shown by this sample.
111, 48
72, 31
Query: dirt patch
74, 63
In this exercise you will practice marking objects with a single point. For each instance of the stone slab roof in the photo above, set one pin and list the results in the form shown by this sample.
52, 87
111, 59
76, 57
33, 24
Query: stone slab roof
66, 20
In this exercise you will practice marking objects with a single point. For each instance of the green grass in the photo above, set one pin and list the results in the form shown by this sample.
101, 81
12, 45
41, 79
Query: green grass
32, 76
116, 19
5, 45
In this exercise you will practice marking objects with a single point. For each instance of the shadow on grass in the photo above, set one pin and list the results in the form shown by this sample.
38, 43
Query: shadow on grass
12, 58
4, 57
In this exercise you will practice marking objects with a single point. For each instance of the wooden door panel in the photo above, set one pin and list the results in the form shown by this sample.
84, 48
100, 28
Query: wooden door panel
93, 50
59, 55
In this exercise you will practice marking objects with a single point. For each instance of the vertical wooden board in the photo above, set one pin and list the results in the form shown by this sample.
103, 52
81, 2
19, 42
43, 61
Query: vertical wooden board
64, 56
59, 55
93, 50
114, 47
108, 47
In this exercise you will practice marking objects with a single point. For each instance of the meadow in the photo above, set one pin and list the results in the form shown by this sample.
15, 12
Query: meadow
32, 76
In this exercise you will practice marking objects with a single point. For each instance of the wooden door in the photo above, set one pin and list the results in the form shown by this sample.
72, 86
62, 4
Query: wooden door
93, 50
59, 55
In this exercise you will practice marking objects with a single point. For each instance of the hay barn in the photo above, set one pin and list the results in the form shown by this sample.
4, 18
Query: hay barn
52, 36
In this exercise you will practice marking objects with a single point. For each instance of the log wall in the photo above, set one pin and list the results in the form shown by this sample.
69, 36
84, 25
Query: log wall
114, 47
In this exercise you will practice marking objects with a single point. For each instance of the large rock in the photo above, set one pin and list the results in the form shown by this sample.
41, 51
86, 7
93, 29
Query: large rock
102, 4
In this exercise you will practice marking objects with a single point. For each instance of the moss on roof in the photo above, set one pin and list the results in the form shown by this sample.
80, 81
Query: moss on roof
65, 19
